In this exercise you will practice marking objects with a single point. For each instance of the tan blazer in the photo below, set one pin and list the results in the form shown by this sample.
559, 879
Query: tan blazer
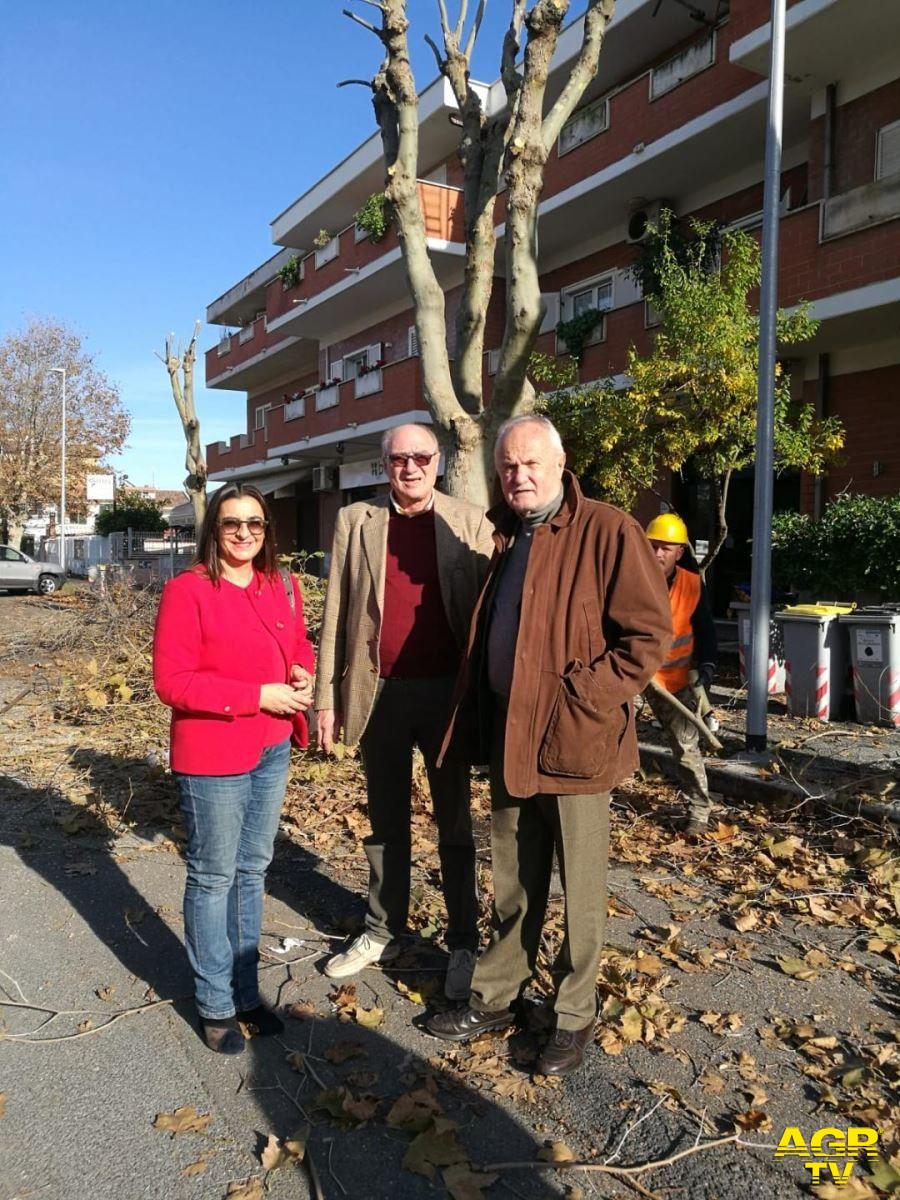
348, 664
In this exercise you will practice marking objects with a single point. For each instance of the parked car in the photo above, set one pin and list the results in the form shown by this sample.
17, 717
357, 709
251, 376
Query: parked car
19, 572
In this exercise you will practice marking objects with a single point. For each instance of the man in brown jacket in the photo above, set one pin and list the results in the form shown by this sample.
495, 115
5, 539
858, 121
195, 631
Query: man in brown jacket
571, 624
406, 570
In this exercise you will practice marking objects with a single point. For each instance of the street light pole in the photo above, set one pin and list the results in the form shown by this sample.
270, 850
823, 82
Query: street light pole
62, 489
761, 569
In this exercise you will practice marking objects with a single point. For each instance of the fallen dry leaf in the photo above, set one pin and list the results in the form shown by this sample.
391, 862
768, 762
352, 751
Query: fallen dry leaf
464, 1183
2, 1104
435, 1147
797, 968
412, 1112
555, 1152
245, 1189
85, 1025
277, 1153
195, 1168
369, 1018
341, 1051
105, 993
301, 1010
185, 1119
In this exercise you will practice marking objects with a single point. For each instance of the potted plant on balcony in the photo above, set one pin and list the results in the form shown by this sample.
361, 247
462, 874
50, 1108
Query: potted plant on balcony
291, 273
375, 216
367, 368
322, 238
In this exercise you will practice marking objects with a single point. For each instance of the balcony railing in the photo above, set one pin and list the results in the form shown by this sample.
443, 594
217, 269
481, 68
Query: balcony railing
367, 384
246, 333
328, 397
224, 346
295, 408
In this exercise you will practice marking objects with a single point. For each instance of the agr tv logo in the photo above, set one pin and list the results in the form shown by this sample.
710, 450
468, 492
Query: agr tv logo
831, 1153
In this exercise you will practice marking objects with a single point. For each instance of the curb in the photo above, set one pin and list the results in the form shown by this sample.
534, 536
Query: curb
740, 780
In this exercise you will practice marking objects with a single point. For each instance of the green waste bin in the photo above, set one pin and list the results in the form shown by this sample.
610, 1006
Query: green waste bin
815, 659
875, 655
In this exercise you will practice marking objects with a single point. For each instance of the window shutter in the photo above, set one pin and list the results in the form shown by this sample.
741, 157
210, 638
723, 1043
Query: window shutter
373, 354
888, 151
493, 358
551, 316
412, 342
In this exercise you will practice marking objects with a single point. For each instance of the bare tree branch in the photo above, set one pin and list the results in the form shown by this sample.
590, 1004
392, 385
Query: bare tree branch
475, 30
441, 65
596, 19
361, 21
366, 83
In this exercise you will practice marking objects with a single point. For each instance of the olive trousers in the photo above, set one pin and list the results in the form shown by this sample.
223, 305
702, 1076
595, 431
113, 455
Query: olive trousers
524, 833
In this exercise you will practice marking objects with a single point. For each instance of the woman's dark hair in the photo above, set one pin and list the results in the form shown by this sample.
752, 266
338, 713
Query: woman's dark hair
207, 556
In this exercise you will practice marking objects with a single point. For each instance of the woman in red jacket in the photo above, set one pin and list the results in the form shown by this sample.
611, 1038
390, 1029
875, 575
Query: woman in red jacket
232, 660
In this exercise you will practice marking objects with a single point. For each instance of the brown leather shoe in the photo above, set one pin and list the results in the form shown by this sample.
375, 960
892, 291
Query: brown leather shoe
564, 1051
461, 1024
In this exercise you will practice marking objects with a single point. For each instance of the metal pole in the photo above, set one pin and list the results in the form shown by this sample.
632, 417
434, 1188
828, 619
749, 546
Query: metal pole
761, 572
62, 486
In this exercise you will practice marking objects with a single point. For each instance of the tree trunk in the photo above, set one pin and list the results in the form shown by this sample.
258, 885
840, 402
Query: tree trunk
719, 488
14, 531
518, 138
183, 395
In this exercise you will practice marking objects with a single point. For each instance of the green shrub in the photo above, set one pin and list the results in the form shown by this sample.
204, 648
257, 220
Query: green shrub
854, 548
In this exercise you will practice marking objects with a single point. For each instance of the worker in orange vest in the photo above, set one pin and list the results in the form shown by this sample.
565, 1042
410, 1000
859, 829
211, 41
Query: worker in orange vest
691, 661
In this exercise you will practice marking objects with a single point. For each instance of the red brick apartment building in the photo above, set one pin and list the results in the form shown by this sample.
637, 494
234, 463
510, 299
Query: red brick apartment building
676, 114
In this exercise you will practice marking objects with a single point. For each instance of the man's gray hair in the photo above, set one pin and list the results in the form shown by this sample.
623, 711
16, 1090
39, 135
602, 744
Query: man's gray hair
543, 423
388, 434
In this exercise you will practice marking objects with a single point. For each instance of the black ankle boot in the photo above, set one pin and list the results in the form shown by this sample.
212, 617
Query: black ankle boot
223, 1035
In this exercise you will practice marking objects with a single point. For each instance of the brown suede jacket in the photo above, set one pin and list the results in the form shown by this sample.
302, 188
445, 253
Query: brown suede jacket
594, 628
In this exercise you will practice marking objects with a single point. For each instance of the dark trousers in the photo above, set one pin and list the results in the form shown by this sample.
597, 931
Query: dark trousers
410, 713
524, 833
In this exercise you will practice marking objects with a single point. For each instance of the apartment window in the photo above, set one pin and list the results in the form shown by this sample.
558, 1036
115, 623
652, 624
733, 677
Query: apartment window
594, 293
259, 419
324, 254
583, 297
652, 317
493, 361
675, 70
352, 363
584, 124
887, 157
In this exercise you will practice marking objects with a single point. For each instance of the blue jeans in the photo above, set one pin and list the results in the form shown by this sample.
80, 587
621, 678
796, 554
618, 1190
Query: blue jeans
231, 825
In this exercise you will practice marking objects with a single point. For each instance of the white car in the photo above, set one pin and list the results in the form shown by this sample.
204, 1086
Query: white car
18, 572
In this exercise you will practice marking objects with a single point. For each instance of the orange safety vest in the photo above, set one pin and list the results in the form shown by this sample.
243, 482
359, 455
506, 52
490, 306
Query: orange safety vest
683, 597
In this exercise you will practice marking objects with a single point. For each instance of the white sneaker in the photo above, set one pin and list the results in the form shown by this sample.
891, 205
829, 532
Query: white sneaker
458, 983
362, 952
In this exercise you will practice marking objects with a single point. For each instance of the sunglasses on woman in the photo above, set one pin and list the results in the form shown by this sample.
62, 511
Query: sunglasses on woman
256, 526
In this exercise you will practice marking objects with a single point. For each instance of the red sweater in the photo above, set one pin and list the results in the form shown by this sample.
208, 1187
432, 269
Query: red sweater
416, 638
213, 649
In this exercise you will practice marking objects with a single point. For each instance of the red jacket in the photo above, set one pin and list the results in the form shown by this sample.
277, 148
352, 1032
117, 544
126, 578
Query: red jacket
213, 649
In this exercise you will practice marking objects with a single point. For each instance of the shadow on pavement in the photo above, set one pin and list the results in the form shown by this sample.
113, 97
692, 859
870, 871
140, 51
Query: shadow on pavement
74, 850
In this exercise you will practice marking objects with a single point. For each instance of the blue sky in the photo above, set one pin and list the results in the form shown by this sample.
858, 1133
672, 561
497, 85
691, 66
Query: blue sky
146, 147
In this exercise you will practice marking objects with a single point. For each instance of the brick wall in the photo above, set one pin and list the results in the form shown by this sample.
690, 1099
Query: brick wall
635, 117
867, 404
856, 126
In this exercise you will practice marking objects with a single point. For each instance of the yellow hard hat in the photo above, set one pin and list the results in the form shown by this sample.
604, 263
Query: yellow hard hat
668, 527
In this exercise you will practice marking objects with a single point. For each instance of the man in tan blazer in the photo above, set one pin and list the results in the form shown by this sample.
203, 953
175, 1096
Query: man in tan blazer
406, 571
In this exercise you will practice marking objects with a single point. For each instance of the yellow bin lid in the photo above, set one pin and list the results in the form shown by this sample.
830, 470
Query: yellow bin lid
819, 609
